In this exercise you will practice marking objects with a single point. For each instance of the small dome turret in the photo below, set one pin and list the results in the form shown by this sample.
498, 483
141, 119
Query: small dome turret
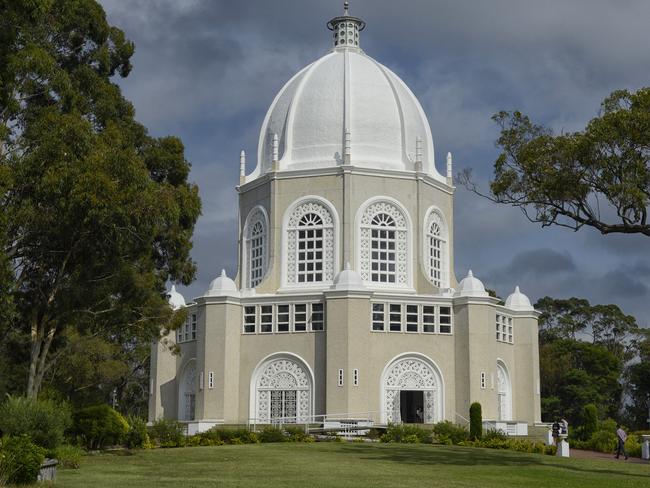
222, 287
175, 299
519, 302
471, 287
348, 279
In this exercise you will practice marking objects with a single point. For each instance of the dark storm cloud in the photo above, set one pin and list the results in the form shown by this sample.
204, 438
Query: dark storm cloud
208, 70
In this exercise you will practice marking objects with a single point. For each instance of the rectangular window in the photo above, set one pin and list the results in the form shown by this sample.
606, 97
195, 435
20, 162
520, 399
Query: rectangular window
151, 387
395, 317
186, 330
179, 334
310, 255
340, 377
509, 330
210, 380
504, 329
411, 318
266, 319
383, 255
193, 332
445, 320
249, 320
355, 377
283, 318
482, 380
317, 316
201, 380
300, 317
378, 315
428, 318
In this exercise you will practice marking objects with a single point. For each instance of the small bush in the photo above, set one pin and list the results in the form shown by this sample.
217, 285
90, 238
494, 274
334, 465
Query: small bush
410, 434
210, 437
100, 426
21, 459
137, 437
603, 441
238, 436
633, 446
43, 421
475, 421
271, 434
495, 434
168, 433
373, 434
589, 421
296, 434
449, 433
68, 456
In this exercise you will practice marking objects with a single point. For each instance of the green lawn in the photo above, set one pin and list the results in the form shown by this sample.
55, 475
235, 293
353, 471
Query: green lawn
347, 465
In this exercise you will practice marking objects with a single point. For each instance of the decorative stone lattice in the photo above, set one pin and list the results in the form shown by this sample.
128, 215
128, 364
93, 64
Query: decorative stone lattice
401, 240
294, 224
410, 374
283, 390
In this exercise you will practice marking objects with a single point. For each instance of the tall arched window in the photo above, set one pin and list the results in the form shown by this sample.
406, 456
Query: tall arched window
256, 247
310, 244
383, 245
435, 249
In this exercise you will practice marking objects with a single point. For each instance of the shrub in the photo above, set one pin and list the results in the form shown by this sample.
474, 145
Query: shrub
168, 433
99, 426
633, 446
68, 456
495, 434
238, 436
590, 421
475, 421
137, 437
271, 434
296, 434
405, 433
43, 421
449, 433
603, 441
22, 459
210, 437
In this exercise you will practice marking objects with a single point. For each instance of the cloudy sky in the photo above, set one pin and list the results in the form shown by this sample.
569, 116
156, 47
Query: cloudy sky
207, 70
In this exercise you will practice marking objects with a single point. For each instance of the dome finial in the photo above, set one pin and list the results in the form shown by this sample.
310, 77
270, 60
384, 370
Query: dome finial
346, 29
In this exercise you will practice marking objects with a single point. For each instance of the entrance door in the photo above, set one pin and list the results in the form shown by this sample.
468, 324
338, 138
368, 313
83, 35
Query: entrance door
283, 406
412, 406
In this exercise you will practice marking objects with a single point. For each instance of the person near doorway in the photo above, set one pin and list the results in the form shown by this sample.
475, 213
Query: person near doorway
556, 428
418, 415
621, 437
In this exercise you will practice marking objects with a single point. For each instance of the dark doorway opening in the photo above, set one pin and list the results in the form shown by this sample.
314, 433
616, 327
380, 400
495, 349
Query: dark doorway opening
411, 406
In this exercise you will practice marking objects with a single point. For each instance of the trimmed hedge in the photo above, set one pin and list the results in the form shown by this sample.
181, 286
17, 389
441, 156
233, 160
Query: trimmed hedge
475, 421
519, 445
100, 426
407, 434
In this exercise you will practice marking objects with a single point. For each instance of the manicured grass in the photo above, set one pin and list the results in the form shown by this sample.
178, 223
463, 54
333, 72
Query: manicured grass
347, 465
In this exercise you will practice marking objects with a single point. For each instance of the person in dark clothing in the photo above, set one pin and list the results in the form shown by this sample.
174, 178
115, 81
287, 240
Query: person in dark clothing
621, 436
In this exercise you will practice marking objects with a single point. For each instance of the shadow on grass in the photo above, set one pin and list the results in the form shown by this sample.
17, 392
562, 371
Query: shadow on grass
468, 456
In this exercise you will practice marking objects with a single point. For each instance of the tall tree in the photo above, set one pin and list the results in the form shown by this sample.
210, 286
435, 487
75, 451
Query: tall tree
598, 177
98, 214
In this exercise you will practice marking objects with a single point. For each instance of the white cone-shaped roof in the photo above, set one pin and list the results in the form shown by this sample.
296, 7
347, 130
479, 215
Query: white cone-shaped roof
348, 279
222, 287
518, 301
471, 287
175, 299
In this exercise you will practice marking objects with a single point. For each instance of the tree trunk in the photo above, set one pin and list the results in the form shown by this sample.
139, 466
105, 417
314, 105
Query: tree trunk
40, 347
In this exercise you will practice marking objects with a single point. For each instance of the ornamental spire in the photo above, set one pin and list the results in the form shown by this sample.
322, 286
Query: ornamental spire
346, 29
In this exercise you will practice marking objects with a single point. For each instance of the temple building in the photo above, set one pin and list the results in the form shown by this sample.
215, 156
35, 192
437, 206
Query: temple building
346, 306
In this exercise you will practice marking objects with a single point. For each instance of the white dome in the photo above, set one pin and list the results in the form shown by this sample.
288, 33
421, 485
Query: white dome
518, 301
471, 287
348, 279
175, 299
222, 287
345, 108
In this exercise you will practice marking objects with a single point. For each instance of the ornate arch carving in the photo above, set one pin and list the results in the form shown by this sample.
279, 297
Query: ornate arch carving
285, 375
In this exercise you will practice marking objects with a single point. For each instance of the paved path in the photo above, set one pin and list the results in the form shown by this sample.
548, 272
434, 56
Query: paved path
580, 454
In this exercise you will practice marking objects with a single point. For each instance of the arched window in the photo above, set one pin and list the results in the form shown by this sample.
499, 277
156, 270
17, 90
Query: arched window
256, 247
310, 244
383, 245
435, 250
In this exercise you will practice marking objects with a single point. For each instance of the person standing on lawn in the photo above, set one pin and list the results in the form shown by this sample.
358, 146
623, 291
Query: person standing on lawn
621, 436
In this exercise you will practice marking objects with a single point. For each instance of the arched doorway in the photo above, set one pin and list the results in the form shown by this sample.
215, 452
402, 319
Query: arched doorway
504, 392
281, 388
187, 392
412, 390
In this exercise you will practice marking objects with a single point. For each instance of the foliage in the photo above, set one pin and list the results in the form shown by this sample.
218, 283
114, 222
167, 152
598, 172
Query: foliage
237, 436
404, 433
97, 215
21, 459
504, 442
100, 426
168, 433
492, 434
598, 177
43, 421
68, 456
449, 433
271, 434
137, 437
475, 421
638, 383
296, 434
589, 420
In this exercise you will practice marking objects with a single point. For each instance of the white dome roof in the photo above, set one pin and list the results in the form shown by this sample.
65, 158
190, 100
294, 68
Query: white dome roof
348, 279
345, 108
222, 287
471, 287
518, 301
175, 299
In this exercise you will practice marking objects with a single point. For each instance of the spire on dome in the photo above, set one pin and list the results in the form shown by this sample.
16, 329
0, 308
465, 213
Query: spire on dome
346, 28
